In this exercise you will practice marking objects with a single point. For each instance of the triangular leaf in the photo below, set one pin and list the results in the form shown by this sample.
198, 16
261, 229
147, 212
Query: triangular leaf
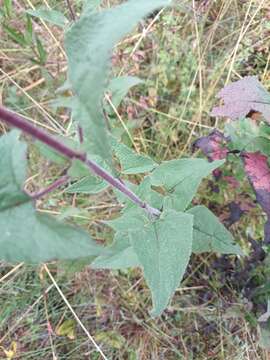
210, 235
163, 248
181, 179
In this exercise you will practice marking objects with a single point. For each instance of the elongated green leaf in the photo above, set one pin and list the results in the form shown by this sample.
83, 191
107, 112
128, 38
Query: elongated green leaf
123, 255
52, 16
210, 235
119, 87
32, 237
181, 179
131, 162
164, 248
13, 170
89, 44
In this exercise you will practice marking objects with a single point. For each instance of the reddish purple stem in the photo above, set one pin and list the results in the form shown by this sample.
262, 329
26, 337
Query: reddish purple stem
39, 194
22, 124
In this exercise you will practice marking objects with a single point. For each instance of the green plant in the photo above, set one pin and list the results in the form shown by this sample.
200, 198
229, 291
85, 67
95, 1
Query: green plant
158, 228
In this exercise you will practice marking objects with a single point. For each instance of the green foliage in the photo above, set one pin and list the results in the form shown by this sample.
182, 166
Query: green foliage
119, 87
132, 163
163, 248
52, 16
123, 255
181, 179
13, 171
209, 235
89, 44
32, 237
247, 135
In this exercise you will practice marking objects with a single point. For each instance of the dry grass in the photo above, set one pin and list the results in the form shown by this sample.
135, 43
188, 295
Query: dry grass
185, 56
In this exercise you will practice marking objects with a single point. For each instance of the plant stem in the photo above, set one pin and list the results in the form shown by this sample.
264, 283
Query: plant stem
72, 12
39, 194
22, 124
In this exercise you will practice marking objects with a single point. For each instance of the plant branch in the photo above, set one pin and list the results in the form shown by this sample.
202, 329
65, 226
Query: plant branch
72, 12
19, 122
56, 184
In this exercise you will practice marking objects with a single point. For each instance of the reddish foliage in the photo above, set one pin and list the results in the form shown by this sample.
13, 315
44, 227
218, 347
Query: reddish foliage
241, 97
258, 172
212, 145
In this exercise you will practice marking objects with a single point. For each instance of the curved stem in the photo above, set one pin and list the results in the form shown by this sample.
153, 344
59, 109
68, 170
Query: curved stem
22, 124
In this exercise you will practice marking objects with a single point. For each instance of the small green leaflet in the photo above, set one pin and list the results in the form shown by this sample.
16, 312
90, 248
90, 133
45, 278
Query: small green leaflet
88, 64
119, 87
13, 170
131, 163
209, 234
32, 237
122, 257
181, 179
88, 185
163, 248
52, 16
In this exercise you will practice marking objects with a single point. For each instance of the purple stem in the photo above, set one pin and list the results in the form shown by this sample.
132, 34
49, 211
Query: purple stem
22, 124
39, 194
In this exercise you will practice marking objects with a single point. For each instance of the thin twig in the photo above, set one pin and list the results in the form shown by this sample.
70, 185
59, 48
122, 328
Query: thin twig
22, 124
56, 184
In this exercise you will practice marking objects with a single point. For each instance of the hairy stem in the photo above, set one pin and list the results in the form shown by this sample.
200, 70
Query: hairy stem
19, 122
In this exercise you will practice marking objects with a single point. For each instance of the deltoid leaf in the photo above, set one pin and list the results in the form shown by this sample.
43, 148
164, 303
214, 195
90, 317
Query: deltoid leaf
119, 87
32, 237
13, 170
89, 44
181, 179
52, 16
163, 248
241, 97
123, 255
210, 235
213, 145
132, 163
258, 172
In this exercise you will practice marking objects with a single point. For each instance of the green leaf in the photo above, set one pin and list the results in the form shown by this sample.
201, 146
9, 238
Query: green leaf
123, 255
52, 16
163, 248
132, 163
89, 44
181, 179
120, 86
246, 135
210, 235
32, 237
50, 154
13, 170
130, 219
15, 35
88, 185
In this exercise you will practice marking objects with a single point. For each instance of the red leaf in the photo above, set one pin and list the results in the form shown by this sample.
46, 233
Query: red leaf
258, 173
241, 97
